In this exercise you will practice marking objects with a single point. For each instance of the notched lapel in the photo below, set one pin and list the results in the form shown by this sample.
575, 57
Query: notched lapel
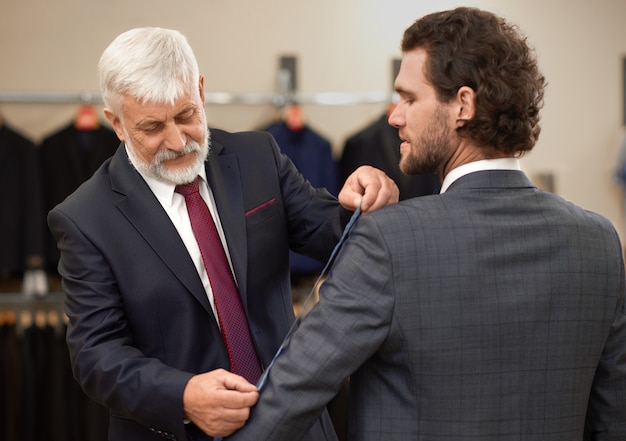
143, 210
225, 180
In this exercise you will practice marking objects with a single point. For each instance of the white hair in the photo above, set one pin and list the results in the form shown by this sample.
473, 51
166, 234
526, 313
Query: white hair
150, 64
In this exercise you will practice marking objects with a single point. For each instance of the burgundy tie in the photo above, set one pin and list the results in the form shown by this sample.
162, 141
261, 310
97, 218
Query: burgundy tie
244, 360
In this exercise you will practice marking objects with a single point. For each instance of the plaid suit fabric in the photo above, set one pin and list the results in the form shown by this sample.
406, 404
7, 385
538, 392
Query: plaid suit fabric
494, 311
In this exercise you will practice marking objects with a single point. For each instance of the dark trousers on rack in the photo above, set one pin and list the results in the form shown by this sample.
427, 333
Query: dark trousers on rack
39, 398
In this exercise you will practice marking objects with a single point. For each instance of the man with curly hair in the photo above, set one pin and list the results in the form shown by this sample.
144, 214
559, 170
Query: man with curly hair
491, 311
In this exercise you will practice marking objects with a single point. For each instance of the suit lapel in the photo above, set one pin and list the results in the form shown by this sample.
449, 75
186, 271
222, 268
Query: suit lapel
144, 212
226, 184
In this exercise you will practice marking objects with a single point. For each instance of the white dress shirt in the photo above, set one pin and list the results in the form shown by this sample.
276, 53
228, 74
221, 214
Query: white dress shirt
174, 205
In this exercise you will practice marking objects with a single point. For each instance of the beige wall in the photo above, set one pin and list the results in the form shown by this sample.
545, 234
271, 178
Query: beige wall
341, 45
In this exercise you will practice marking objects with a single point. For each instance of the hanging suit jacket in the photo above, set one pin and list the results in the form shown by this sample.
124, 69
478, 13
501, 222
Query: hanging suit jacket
311, 153
68, 158
11, 393
494, 311
22, 218
140, 323
378, 145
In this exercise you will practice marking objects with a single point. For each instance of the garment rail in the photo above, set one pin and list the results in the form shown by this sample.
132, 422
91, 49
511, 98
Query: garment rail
24, 311
40, 398
278, 100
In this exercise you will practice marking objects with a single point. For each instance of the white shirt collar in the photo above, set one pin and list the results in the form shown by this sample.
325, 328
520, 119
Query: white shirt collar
484, 164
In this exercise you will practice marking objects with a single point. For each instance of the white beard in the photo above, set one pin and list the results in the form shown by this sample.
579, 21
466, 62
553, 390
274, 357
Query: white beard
156, 170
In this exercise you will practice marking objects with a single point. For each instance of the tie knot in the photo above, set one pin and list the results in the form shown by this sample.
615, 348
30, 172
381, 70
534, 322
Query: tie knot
189, 188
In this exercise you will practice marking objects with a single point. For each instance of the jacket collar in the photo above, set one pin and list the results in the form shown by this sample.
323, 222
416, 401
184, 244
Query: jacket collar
491, 179
485, 164
144, 212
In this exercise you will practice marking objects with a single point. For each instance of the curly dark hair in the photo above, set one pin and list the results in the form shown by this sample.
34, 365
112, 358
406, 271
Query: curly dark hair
475, 48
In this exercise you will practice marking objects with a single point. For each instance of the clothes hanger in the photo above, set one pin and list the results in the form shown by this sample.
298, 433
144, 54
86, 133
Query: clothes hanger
86, 118
294, 119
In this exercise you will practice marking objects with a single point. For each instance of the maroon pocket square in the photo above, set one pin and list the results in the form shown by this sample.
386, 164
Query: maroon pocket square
260, 207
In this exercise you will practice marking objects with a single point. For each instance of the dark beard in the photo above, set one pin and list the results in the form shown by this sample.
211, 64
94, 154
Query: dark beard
432, 148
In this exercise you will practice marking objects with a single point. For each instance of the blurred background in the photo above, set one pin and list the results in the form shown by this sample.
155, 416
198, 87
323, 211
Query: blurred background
344, 46
340, 55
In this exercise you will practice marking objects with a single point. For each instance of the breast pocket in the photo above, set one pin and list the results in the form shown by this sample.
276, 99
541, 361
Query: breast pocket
262, 212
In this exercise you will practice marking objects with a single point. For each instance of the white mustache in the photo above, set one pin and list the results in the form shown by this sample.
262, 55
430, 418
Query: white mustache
166, 155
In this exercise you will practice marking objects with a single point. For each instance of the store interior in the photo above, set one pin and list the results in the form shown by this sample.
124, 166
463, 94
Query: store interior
335, 60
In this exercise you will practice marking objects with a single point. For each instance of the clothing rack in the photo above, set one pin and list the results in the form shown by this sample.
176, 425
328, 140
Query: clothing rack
286, 93
25, 310
40, 398
16, 300
275, 99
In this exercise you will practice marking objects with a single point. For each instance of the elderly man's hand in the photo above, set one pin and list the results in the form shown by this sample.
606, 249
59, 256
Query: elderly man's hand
219, 402
370, 188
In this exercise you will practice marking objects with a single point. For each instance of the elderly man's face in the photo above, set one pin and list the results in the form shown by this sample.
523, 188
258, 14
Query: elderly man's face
166, 141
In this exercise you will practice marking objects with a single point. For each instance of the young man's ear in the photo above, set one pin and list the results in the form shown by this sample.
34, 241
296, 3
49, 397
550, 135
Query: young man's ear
465, 101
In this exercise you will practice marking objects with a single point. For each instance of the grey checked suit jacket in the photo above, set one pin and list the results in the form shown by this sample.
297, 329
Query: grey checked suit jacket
494, 311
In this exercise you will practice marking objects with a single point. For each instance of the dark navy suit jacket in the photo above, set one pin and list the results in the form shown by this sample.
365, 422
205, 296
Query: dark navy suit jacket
140, 323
